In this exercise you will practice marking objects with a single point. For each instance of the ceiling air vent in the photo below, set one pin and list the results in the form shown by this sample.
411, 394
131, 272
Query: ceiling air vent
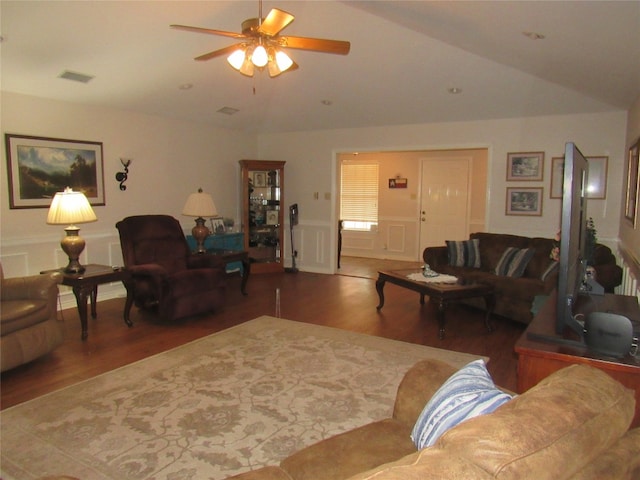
228, 110
76, 77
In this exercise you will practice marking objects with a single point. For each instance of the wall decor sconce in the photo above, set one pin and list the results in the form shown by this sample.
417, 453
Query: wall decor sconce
122, 176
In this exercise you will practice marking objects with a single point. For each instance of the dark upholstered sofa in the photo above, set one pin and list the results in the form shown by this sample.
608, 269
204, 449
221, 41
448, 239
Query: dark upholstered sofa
572, 425
515, 295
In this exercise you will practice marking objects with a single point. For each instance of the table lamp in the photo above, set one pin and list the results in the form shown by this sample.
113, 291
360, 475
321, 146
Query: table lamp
69, 208
200, 205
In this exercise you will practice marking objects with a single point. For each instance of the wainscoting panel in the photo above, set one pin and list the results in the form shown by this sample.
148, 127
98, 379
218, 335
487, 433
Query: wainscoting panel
353, 241
320, 250
115, 254
630, 275
396, 238
15, 265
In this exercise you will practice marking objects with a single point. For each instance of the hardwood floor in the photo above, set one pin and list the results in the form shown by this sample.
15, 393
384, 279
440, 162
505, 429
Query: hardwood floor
340, 301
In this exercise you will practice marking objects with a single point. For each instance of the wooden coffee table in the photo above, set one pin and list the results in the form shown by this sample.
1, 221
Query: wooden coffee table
443, 293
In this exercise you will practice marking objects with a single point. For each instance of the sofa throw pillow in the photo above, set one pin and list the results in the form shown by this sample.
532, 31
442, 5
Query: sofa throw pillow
550, 270
514, 261
465, 253
466, 394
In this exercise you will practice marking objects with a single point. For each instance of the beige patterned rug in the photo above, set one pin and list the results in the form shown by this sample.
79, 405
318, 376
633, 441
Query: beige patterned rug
230, 402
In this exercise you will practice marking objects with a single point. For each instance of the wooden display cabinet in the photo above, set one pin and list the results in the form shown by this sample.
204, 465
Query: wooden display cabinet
263, 213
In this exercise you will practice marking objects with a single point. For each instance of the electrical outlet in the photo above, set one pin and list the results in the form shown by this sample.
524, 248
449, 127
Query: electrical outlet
316, 195
327, 195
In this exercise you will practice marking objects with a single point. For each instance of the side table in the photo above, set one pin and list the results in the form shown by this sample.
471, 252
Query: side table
232, 256
85, 285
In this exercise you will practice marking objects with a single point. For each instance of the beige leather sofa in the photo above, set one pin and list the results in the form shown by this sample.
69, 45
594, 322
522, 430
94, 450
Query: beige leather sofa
572, 425
29, 327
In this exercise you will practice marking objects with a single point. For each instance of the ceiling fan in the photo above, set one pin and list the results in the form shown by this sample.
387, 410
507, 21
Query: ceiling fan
261, 44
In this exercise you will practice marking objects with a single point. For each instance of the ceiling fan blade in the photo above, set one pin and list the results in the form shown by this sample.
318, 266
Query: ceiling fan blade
275, 21
217, 53
316, 44
209, 31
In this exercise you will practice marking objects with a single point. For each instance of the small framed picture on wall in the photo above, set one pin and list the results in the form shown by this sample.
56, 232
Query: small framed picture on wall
525, 166
524, 201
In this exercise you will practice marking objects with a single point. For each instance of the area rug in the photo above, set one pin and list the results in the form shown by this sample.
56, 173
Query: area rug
230, 402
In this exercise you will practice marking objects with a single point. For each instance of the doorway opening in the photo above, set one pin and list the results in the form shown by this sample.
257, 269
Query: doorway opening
442, 193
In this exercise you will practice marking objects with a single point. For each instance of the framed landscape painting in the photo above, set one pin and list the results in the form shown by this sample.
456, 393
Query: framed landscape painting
633, 184
38, 167
525, 166
557, 177
597, 177
524, 201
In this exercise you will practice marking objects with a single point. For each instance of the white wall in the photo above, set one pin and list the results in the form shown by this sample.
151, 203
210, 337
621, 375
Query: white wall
171, 159
630, 236
310, 158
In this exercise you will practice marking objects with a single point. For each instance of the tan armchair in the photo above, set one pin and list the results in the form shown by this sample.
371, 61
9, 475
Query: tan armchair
29, 327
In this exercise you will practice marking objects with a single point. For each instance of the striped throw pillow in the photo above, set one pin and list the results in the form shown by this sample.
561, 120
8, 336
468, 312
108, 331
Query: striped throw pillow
551, 269
465, 253
514, 261
466, 394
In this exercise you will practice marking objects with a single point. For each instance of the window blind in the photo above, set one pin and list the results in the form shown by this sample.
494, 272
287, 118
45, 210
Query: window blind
359, 192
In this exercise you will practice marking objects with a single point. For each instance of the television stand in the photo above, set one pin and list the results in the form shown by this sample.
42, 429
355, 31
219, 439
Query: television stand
538, 357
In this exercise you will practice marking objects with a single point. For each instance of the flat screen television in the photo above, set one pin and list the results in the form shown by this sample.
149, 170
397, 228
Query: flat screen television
572, 267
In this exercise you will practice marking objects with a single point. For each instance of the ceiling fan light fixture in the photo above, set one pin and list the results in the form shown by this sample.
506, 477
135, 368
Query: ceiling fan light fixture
259, 57
236, 59
283, 60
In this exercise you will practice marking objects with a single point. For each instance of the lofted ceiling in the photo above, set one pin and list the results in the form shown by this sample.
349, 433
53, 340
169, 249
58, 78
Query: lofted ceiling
405, 57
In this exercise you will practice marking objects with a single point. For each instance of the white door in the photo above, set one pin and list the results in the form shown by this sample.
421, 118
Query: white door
444, 203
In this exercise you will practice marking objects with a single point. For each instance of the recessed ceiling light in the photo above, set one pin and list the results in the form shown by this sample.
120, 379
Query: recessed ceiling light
454, 90
228, 110
327, 103
533, 35
76, 77
186, 86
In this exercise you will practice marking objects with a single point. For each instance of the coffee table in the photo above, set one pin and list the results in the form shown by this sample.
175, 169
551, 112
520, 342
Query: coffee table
443, 293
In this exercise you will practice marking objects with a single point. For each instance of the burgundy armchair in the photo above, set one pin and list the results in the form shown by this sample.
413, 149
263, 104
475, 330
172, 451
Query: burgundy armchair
167, 277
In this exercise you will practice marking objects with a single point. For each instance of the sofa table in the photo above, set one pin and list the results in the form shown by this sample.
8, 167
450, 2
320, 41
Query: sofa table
537, 358
443, 293
85, 286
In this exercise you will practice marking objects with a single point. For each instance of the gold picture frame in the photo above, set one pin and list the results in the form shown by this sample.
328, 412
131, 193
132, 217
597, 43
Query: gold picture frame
39, 167
633, 184
524, 201
525, 166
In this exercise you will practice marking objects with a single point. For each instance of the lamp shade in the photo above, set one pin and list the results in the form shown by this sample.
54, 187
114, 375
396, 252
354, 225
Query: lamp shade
200, 204
70, 207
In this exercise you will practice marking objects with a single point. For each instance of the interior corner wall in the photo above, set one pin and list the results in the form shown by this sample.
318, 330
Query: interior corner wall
630, 235
171, 159
311, 159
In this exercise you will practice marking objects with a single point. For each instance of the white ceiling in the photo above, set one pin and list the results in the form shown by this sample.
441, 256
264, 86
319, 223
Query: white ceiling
404, 57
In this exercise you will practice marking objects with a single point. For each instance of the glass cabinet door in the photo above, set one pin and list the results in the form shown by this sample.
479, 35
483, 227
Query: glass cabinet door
263, 213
